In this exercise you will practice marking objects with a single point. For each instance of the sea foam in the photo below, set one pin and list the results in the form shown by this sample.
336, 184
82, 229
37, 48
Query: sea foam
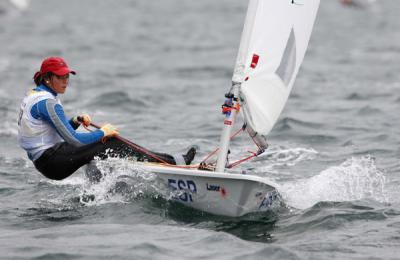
354, 179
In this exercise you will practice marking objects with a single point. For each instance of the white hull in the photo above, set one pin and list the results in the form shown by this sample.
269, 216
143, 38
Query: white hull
217, 193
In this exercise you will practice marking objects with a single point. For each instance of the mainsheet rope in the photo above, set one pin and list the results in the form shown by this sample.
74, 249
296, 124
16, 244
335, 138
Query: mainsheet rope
162, 162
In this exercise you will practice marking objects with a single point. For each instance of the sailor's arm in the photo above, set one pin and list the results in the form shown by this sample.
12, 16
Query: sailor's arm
53, 113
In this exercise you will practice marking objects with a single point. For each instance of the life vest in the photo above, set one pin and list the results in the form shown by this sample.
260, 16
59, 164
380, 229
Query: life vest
35, 135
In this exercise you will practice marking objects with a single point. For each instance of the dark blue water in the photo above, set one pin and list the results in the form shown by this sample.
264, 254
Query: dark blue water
159, 70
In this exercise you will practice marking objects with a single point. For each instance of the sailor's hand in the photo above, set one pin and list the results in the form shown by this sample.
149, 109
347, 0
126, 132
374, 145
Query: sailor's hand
84, 119
109, 130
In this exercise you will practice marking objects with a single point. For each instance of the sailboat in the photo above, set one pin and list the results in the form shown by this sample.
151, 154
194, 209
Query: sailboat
273, 44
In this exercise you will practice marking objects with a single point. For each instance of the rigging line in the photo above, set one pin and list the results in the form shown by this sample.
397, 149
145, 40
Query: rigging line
234, 164
133, 145
162, 162
217, 149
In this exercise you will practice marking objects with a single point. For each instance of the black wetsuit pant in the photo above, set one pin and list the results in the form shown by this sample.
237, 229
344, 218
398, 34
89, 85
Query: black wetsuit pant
63, 159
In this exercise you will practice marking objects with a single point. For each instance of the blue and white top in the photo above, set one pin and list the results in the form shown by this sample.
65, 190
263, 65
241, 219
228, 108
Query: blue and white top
42, 124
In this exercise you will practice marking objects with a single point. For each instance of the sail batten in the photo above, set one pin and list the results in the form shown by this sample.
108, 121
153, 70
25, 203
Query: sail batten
273, 44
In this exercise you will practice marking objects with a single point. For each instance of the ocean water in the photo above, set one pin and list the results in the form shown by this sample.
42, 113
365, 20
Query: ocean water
159, 70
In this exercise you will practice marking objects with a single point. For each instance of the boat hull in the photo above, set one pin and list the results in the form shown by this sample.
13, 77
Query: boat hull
218, 193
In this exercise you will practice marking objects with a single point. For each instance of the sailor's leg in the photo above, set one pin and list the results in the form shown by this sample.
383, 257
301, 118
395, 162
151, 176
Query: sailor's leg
63, 159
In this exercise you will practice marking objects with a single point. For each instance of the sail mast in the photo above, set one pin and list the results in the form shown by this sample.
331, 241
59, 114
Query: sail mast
232, 100
237, 79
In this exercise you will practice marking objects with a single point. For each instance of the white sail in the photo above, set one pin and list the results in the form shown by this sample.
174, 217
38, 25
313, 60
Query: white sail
274, 41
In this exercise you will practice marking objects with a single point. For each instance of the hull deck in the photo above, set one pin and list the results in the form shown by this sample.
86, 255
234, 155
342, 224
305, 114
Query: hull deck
217, 193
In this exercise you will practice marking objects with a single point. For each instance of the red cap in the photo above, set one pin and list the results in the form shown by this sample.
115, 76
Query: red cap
56, 65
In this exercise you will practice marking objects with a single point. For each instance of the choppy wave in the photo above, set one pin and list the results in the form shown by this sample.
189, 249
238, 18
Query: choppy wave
122, 181
355, 179
206, 71
277, 156
291, 123
4, 64
333, 216
368, 110
117, 99
9, 129
356, 96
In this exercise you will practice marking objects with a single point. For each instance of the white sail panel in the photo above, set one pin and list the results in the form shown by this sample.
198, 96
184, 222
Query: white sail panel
272, 48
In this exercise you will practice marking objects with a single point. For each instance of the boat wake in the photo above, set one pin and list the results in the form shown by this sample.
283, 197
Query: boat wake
277, 157
121, 181
355, 179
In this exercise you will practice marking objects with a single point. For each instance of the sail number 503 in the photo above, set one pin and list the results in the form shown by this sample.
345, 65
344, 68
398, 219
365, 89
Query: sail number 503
185, 189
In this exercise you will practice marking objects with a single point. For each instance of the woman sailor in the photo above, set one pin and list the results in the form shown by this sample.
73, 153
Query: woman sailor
52, 142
